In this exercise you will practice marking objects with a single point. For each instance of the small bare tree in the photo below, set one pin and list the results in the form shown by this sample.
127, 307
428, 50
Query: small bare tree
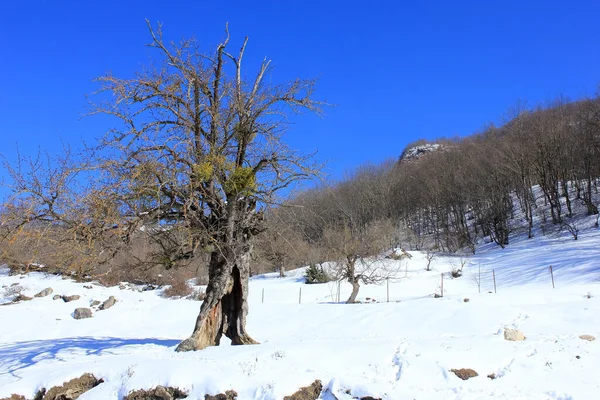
429, 256
358, 254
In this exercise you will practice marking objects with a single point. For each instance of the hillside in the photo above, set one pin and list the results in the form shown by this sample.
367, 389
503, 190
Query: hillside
403, 349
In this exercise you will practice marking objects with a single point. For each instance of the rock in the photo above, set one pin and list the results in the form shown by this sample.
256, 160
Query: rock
514, 335
108, 303
87, 286
94, 303
72, 389
492, 376
45, 292
122, 287
14, 284
464, 373
228, 395
21, 297
73, 297
466, 300
82, 312
311, 392
158, 393
589, 338
56, 297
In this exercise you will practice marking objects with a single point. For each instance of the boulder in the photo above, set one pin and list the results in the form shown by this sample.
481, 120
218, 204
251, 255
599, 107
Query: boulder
465, 373
589, 338
311, 392
158, 393
45, 292
108, 303
73, 297
514, 335
228, 395
21, 297
94, 303
82, 312
72, 389
56, 297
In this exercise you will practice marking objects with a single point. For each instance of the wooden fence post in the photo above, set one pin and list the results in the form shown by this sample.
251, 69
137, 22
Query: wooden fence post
300, 296
388, 289
442, 290
552, 276
263, 295
494, 276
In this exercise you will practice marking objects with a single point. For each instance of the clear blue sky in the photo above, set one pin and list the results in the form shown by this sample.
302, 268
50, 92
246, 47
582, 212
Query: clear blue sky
397, 70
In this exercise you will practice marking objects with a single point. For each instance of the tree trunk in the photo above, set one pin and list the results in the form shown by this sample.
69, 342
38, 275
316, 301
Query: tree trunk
282, 270
225, 307
355, 287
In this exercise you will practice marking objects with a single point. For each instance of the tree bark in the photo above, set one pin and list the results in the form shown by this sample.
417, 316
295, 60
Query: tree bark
225, 307
355, 287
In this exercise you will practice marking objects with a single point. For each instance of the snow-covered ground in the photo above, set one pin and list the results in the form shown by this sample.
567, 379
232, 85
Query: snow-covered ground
401, 349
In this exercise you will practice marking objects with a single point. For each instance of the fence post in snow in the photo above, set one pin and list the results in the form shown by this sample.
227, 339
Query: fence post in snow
442, 290
552, 276
388, 289
300, 296
263, 295
494, 276
479, 279
338, 291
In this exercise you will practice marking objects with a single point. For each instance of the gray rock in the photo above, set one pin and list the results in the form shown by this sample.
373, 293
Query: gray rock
56, 297
589, 338
82, 312
73, 297
45, 292
108, 303
95, 303
514, 335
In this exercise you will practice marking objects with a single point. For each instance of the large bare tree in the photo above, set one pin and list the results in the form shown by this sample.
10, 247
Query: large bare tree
200, 149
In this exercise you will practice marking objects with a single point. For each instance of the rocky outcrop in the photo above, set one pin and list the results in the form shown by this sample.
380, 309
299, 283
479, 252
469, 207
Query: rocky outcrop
108, 303
72, 389
45, 292
311, 392
228, 395
82, 313
464, 373
158, 393
513, 335
589, 338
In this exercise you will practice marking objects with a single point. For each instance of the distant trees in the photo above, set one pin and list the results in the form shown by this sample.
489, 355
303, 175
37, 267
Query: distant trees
465, 190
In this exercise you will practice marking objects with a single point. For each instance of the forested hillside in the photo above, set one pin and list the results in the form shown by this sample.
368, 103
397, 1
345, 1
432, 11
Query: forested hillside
536, 173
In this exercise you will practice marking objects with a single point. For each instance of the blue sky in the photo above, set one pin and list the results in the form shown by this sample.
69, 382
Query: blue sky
397, 70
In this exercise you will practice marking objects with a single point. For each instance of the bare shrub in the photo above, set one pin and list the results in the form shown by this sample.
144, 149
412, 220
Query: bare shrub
178, 284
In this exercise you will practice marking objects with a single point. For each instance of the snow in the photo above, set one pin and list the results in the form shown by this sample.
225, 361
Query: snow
401, 349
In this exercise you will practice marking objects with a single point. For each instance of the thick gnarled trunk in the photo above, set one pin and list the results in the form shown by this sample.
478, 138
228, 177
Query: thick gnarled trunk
225, 306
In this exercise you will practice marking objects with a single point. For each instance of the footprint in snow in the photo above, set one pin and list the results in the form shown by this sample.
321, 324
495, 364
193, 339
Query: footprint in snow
399, 359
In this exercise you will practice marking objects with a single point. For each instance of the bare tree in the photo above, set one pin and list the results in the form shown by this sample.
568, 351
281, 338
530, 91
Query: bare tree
207, 147
357, 254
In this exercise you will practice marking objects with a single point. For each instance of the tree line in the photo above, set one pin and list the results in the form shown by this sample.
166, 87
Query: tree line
448, 199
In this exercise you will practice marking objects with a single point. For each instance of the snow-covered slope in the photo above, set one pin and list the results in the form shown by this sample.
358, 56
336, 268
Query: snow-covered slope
401, 349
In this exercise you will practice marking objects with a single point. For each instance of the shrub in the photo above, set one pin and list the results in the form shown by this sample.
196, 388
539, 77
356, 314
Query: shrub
316, 274
178, 288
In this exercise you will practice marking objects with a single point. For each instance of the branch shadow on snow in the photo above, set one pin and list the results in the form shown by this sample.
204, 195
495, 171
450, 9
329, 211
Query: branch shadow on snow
19, 355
